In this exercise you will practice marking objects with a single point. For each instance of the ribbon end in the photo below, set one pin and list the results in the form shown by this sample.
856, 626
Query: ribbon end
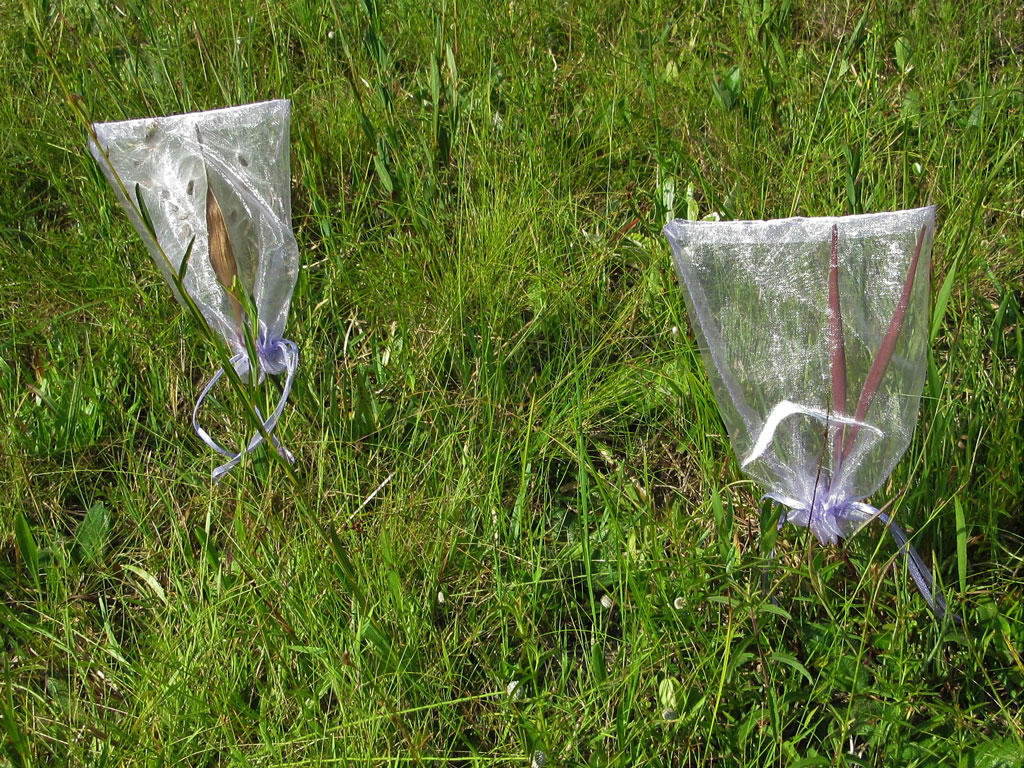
919, 572
282, 356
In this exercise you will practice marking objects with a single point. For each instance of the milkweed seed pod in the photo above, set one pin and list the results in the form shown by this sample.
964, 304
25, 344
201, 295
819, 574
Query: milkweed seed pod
814, 332
215, 188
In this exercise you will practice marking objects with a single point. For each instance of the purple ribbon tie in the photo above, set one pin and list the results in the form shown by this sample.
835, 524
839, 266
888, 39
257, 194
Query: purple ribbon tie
831, 519
273, 357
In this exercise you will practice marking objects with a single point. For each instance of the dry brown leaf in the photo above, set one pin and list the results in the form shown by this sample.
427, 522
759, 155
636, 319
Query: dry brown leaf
222, 258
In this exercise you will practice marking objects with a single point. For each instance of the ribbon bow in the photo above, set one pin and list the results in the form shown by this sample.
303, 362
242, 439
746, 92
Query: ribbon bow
831, 519
273, 357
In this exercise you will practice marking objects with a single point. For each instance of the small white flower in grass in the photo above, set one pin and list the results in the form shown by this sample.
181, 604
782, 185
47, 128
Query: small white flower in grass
679, 603
440, 597
330, 35
675, 330
607, 602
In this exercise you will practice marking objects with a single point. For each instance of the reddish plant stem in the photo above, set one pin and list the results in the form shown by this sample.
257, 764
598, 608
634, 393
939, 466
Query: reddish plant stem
884, 355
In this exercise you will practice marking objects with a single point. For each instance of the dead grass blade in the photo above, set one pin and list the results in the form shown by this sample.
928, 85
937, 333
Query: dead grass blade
222, 257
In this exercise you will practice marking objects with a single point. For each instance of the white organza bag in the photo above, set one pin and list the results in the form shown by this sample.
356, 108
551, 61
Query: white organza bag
216, 188
814, 333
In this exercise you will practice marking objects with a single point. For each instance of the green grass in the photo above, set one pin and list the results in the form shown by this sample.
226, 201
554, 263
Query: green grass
488, 321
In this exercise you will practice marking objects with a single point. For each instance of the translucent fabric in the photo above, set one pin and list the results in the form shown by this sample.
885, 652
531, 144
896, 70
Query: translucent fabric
205, 173
815, 336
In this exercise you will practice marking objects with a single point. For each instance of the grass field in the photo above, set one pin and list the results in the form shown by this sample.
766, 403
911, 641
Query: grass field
563, 566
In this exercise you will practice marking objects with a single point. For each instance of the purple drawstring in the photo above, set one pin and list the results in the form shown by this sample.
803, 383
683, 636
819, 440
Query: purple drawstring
830, 521
274, 357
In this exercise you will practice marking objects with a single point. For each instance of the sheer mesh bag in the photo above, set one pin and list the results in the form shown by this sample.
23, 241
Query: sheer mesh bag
215, 188
814, 333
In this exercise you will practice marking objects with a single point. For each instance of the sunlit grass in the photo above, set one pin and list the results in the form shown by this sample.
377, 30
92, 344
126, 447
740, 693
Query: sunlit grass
491, 330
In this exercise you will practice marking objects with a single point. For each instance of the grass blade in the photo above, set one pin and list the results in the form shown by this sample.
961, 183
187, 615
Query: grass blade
183, 268
149, 580
941, 302
27, 547
961, 545
19, 745
790, 661
144, 212
344, 568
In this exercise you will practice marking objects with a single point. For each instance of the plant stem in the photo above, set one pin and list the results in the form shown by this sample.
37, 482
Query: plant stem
884, 355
